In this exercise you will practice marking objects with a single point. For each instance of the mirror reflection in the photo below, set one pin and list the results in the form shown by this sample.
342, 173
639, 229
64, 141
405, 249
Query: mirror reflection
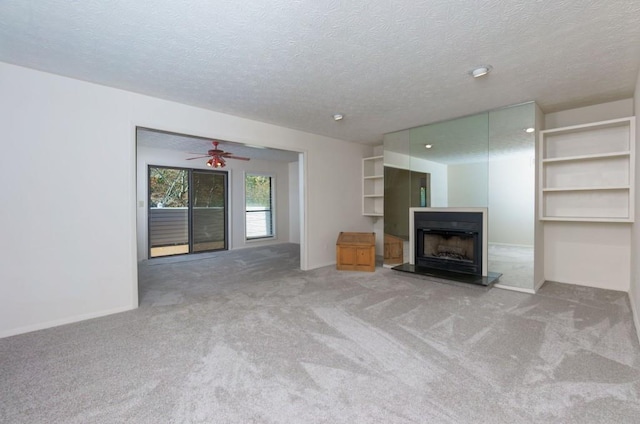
484, 160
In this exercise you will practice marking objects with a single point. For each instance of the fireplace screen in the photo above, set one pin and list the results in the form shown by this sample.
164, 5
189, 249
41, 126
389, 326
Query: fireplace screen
448, 246
450, 241
451, 250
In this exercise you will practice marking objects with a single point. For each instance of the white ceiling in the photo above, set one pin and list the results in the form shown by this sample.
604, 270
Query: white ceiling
386, 65
190, 146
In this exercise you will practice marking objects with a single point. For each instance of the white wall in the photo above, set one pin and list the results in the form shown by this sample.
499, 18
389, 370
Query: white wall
294, 202
68, 234
634, 289
589, 254
236, 170
69, 221
594, 113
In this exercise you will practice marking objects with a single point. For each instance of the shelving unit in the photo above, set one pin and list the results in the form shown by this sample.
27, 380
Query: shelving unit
587, 172
373, 186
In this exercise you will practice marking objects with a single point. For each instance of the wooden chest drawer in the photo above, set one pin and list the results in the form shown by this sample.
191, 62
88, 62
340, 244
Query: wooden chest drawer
356, 252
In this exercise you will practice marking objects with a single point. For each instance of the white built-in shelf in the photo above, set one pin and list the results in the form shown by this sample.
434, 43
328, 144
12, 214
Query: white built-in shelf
588, 157
373, 186
587, 172
586, 188
589, 219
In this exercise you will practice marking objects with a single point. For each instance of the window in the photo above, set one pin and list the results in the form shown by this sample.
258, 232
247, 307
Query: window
259, 206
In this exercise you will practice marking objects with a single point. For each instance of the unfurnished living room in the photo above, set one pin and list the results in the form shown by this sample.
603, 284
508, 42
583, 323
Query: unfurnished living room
320, 212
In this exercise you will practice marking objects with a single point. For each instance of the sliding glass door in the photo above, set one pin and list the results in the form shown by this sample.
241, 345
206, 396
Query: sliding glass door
208, 223
187, 211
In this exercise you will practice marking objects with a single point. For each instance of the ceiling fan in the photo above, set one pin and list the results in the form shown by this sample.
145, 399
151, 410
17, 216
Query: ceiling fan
217, 157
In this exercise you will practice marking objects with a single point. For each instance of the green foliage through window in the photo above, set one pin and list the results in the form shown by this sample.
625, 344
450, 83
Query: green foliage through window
168, 187
259, 208
258, 191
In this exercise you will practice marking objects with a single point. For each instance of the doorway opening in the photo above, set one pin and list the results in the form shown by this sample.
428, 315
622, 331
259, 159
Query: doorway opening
173, 150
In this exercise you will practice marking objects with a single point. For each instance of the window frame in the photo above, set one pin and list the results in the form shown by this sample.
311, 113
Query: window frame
272, 208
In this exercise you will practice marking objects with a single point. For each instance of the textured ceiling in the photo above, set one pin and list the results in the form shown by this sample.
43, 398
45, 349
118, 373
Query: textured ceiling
189, 146
386, 65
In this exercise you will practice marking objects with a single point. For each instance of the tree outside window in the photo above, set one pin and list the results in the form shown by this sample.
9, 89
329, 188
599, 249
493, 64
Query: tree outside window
259, 206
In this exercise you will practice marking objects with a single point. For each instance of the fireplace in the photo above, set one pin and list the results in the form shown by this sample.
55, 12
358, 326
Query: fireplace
449, 244
449, 239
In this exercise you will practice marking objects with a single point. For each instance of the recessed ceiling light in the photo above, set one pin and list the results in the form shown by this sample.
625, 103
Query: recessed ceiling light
428, 146
338, 117
529, 130
481, 71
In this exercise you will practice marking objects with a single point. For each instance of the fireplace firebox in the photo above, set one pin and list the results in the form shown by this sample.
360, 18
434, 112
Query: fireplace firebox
450, 241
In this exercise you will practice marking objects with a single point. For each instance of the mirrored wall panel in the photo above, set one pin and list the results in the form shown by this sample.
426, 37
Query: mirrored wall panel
484, 160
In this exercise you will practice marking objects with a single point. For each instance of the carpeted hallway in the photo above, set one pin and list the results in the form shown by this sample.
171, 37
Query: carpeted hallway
246, 337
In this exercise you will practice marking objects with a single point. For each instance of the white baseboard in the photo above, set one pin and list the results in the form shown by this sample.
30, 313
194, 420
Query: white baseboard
322, 265
512, 288
491, 243
63, 321
588, 284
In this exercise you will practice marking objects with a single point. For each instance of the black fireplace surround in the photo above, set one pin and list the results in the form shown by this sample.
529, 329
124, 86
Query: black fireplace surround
450, 241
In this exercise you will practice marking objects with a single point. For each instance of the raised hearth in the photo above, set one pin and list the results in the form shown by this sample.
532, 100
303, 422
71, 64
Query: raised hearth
459, 277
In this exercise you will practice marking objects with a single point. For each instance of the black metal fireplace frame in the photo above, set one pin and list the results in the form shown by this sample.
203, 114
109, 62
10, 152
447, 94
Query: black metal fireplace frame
463, 224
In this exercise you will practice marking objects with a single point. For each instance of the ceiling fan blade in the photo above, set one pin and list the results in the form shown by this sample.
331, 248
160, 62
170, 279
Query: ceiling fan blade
231, 155
199, 157
236, 157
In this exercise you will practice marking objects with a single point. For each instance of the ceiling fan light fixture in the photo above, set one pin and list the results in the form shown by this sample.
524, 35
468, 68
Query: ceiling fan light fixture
216, 162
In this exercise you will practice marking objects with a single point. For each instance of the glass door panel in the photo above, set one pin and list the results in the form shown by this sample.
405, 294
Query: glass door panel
208, 215
168, 211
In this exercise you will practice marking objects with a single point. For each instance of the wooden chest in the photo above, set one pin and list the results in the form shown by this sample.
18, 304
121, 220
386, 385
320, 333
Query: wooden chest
356, 252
